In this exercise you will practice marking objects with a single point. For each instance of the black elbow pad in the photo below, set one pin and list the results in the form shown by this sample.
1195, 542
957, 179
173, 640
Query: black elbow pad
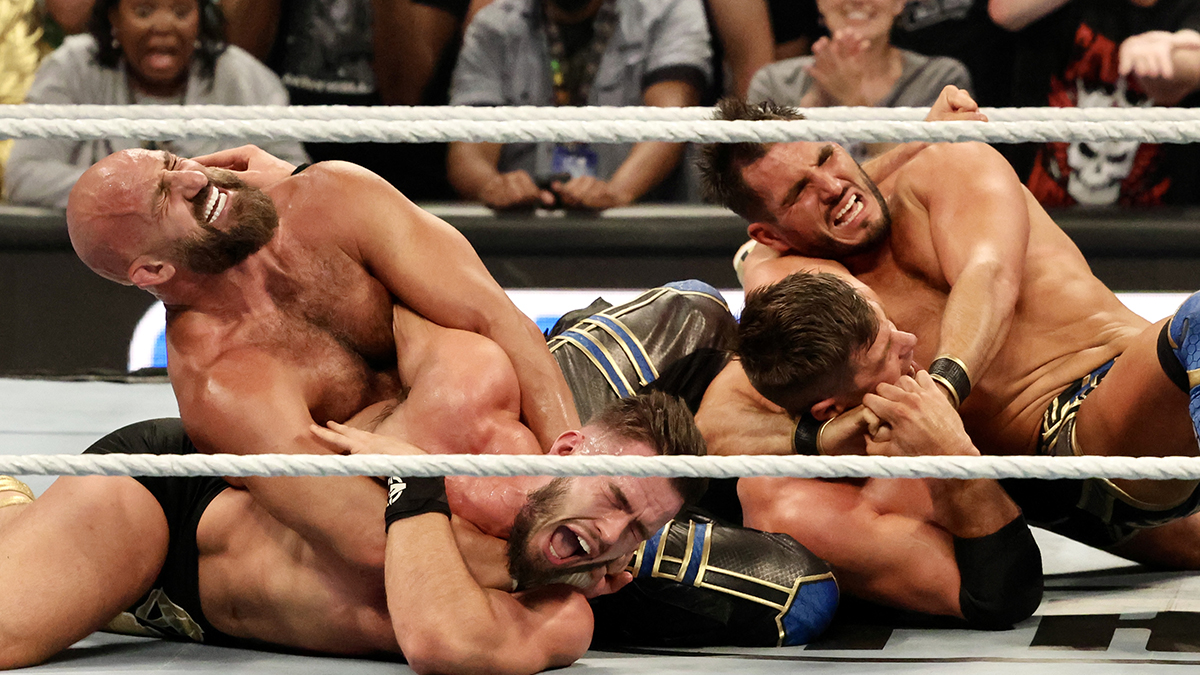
1001, 576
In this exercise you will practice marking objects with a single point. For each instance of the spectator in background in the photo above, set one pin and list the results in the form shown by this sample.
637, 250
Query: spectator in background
961, 30
1106, 53
577, 52
742, 43
361, 52
796, 25
856, 65
138, 52
741, 38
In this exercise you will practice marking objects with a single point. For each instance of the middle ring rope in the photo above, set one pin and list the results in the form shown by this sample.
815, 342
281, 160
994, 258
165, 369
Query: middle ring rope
1152, 468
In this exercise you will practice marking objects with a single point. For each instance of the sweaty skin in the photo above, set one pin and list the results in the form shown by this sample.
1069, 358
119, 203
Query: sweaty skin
446, 603
299, 332
974, 267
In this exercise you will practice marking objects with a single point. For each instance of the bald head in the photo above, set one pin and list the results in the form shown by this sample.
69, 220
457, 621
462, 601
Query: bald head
139, 216
109, 211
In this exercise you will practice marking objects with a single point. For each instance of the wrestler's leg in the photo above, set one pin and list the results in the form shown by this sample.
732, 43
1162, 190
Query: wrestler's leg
463, 394
72, 560
1138, 412
1175, 545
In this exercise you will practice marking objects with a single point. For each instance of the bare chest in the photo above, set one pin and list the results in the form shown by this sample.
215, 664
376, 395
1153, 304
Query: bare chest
333, 322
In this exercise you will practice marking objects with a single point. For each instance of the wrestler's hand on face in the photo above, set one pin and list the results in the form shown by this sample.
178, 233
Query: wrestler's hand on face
920, 419
353, 441
955, 105
588, 193
844, 434
1150, 55
514, 190
257, 167
610, 579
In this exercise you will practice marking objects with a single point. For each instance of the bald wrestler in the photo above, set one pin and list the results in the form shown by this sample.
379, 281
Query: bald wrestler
194, 559
279, 312
1008, 319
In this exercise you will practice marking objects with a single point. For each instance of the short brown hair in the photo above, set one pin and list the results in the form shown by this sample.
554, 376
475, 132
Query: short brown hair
663, 422
721, 164
798, 337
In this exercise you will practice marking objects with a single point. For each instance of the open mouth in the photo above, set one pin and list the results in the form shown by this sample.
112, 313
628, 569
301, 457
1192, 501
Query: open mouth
566, 544
849, 211
214, 205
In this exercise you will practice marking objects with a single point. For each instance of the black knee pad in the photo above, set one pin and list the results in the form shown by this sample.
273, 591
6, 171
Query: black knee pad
1169, 362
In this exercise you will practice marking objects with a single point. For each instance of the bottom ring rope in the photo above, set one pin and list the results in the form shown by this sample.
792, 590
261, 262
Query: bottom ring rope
1149, 468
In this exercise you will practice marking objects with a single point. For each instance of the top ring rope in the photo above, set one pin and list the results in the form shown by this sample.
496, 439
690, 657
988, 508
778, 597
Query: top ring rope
1154, 468
606, 131
414, 113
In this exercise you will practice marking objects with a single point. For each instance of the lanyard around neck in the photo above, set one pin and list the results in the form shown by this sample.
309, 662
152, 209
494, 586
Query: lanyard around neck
573, 77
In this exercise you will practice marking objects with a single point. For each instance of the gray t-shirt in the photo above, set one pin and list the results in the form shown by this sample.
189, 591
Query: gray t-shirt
921, 80
41, 172
505, 61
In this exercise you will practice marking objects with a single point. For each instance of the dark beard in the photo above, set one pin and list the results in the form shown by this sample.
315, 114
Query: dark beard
523, 566
254, 222
877, 231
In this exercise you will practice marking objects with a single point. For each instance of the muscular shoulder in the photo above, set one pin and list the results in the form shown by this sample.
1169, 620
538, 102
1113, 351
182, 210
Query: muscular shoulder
947, 164
335, 195
219, 387
346, 205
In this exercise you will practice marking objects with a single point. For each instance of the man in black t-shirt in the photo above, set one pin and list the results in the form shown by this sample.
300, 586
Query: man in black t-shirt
1107, 53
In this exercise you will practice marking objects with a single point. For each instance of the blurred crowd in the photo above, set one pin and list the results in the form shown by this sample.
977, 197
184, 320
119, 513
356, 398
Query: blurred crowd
805, 53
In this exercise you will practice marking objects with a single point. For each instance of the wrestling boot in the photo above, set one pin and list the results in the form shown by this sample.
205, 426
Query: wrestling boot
9, 486
1182, 334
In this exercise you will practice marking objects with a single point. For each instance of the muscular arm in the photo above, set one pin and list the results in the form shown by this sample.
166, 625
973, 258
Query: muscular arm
226, 411
433, 270
877, 553
446, 623
980, 232
736, 420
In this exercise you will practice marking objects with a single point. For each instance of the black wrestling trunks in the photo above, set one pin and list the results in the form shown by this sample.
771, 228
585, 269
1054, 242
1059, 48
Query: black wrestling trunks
1093, 511
171, 609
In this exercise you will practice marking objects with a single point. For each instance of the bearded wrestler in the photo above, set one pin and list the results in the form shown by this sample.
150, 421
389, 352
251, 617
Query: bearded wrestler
1003, 308
197, 559
279, 312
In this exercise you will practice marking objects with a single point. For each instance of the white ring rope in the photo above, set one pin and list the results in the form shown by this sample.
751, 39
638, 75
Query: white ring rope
600, 113
1153, 468
609, 131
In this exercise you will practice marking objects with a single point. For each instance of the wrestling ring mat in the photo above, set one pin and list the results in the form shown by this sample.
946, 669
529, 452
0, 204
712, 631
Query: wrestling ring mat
1100, 613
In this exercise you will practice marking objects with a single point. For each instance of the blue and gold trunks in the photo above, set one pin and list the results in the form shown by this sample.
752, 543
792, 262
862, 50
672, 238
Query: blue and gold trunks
1093, 511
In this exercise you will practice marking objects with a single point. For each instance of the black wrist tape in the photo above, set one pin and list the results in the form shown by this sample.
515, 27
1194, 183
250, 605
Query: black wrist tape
408, 497
1001, 576
950, 372
804, 438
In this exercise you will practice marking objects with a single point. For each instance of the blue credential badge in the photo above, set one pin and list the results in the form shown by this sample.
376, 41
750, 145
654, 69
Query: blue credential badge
576, 159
